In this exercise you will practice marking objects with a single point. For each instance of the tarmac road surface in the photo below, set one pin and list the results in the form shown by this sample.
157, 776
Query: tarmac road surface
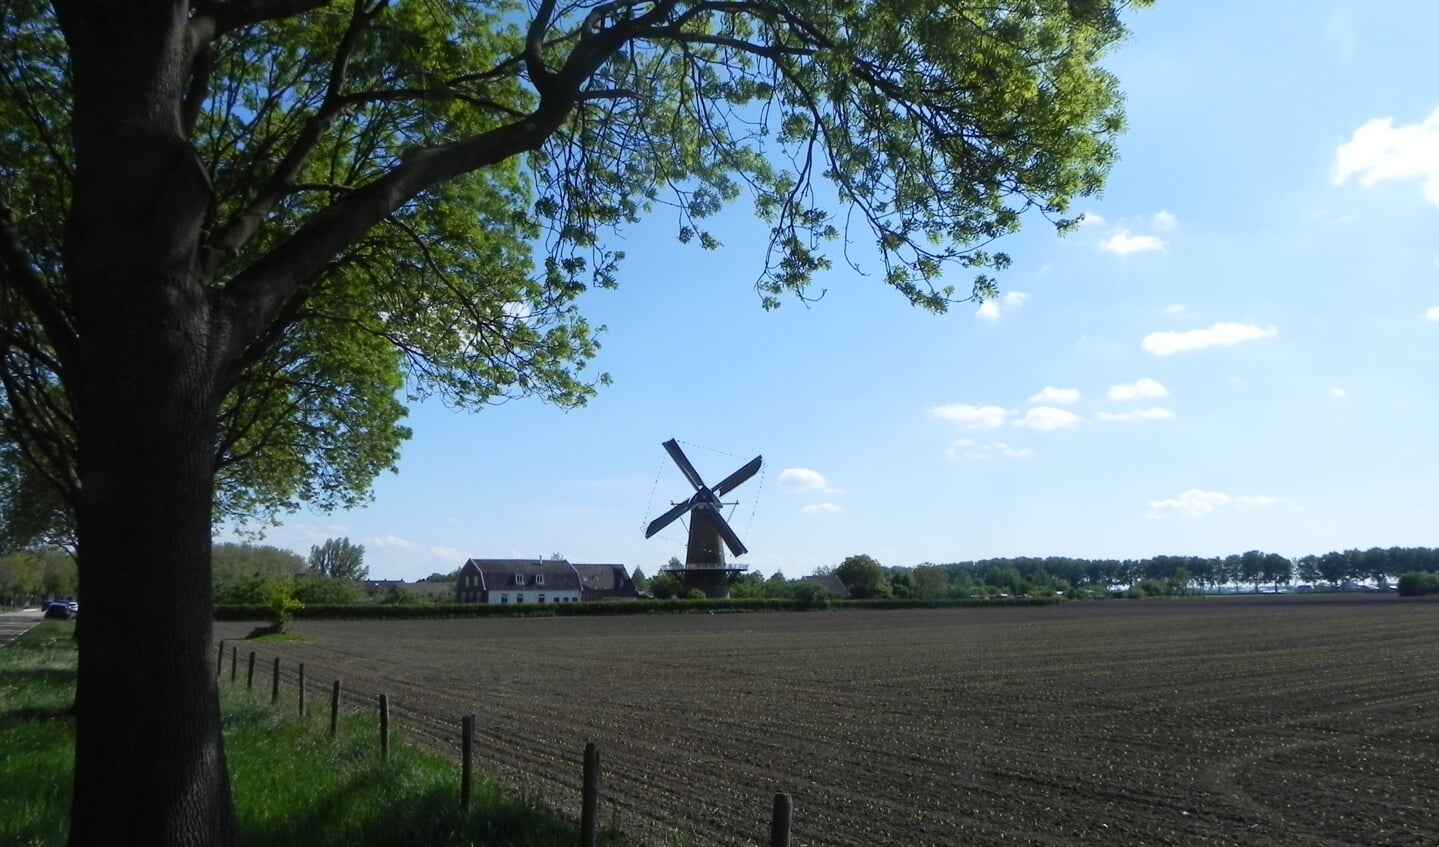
15, 624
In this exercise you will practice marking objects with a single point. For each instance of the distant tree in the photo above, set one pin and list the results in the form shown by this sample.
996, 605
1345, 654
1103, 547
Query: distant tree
452, 576
232, 561
1415, 584
863, 576
338, 557
901, 582
557, 557
394, 595
665, 585
642, 582
250, 590
314, 589
929, 582
809, 594
696, 594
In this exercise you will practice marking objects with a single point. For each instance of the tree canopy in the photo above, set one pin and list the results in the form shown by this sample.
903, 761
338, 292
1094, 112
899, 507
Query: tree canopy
237, 236
338, 558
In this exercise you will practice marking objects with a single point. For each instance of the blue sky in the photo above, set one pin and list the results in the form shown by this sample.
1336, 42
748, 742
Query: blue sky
1235, 352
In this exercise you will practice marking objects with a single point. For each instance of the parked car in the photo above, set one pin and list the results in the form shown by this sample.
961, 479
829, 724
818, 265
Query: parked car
59, 612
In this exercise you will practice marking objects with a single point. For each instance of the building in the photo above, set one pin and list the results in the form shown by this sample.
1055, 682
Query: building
505, 581
830, 583
606, 582
518, 581
435, 592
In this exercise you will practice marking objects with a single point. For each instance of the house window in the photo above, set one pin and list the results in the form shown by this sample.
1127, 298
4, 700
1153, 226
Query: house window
519, 598
519, 579
539, 579
504, 598
541, 598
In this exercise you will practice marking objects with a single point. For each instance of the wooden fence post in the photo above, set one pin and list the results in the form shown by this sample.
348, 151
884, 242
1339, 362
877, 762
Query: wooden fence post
467, 752
590, 808
275, 683
302, 689
234, 663
335, 709
250, 674
384, 727
779, 823
220, 659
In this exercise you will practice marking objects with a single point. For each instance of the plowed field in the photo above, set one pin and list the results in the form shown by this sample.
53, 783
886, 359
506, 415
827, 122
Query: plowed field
1235, 721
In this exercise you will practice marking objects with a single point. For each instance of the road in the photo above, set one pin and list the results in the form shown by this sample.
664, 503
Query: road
15, 624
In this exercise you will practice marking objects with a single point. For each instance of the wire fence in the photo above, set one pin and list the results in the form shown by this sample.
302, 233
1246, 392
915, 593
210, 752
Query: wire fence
308, 689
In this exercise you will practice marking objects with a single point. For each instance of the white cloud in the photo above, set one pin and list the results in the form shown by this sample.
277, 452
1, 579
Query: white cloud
449, 554
1091, 219
972, 417
1124, 242
821, 509
1174, 309
1155, 414
990, 310
1380, 151
967, 448
1431, 313
389, 542
1164, 220
1141, 389
1219, 335
803, 479
1195, 503
1047, 419
1338, 393
1060, 396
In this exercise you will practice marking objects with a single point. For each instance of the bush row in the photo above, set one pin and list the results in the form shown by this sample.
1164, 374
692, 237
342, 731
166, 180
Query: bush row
627, 607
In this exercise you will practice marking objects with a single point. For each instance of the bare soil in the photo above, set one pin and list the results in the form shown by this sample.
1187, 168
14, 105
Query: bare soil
1247, 721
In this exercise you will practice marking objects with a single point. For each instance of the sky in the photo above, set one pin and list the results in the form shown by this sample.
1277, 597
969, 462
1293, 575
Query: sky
1236, 351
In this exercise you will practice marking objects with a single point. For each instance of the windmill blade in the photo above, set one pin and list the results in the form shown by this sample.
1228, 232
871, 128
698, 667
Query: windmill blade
673, 448
667, 518
733, 480
716, 520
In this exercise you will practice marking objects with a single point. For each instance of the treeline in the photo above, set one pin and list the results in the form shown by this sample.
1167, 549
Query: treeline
261, 575
29, 576
1159, 574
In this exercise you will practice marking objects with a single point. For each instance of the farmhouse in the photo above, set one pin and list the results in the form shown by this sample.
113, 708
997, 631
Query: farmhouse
504, 581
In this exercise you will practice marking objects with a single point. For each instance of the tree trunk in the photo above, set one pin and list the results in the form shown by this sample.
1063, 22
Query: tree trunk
149, 757
149, 760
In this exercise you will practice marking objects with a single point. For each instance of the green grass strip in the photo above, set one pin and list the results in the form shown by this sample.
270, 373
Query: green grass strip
292, 783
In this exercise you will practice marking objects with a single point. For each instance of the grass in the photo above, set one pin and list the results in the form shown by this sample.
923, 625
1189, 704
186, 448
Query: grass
292, 783
37, 687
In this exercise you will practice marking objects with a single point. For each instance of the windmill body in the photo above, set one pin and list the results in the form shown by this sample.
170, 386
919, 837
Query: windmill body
709, 533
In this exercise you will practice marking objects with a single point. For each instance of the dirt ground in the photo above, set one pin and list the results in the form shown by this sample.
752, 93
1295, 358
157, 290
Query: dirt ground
1247, 721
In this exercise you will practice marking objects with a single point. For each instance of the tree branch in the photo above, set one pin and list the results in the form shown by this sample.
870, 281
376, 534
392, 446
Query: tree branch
212, 20
17, 271
226, 242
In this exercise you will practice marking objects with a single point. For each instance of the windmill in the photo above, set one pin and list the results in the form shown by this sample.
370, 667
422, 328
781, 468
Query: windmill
709, 533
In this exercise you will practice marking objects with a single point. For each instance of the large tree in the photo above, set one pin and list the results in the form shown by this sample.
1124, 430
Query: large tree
233, 233
338, 558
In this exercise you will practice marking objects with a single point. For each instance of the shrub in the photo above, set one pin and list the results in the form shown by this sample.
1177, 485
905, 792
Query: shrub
1416, 584
281, 604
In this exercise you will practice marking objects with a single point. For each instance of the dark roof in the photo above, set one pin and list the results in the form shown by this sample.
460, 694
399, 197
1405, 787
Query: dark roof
830, 583
499, 574
600, 582
424, 586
